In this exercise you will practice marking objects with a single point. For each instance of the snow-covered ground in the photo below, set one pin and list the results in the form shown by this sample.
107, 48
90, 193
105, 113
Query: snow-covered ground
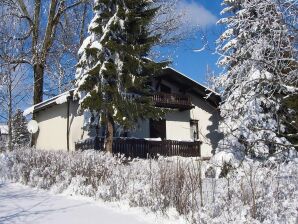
20, 205
81, 186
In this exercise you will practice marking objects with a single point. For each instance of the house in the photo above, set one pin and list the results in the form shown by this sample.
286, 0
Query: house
192, 120
3, 134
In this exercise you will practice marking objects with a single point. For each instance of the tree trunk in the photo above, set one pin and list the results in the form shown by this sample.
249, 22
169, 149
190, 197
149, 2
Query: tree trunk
38, 79
38, 83
109, 134
38, 91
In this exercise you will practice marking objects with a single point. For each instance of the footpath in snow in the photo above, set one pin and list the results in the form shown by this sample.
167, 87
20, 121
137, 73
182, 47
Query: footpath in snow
21, 205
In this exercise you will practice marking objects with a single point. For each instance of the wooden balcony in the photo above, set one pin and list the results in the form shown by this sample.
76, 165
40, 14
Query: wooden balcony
172, 100
145, 148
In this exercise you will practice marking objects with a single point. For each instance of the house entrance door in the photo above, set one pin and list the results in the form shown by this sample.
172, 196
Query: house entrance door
158, 129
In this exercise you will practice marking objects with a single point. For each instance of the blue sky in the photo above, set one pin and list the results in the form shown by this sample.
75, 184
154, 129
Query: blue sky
193, 64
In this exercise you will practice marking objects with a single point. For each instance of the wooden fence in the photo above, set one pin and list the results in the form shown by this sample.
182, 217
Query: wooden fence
145, 148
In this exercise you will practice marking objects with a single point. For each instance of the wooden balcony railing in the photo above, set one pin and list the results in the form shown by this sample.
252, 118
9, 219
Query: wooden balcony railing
172, 100
143, 148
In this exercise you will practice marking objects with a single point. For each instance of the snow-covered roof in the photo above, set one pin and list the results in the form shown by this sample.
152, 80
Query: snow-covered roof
3, 129
59, 99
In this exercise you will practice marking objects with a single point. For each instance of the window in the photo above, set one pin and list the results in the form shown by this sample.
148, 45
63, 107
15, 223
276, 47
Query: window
194, 130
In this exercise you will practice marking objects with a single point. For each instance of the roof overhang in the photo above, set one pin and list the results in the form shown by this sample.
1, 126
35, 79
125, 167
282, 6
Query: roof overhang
59, 99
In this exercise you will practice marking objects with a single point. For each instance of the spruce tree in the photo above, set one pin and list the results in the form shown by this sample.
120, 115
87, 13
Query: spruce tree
20, 134
257, 55
113, 73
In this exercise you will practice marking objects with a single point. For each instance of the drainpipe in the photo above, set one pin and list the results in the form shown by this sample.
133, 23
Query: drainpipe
67, 128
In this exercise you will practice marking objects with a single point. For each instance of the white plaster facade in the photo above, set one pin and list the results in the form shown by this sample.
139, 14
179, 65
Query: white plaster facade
52, 124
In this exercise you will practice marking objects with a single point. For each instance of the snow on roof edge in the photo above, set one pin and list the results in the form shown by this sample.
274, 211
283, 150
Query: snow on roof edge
57, 99
28, 111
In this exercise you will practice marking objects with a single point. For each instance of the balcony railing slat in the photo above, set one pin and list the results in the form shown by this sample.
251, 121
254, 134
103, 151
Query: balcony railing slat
172, 100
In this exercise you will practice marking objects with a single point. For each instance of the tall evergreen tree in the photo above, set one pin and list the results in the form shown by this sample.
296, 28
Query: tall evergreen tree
20, 134
113, 73
258, 57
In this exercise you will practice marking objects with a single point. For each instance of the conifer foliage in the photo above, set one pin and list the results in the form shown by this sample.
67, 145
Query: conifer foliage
20, 134
260, 70
113, 72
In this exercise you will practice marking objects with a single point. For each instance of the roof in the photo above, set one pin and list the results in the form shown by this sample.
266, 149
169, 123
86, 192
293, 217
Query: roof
168, 74
59, 99
3, 129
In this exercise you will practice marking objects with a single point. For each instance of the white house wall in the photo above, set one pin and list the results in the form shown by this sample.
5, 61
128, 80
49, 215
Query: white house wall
76, 122
52, 122
52, 128
178, 126
208, 118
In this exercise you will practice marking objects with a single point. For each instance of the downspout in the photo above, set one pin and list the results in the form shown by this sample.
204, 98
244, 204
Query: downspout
67, 128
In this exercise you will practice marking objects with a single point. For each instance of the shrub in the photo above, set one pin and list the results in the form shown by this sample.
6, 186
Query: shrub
253, 193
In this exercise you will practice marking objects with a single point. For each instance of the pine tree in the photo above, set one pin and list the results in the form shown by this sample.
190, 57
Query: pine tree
20, 134
257, 55
113, 73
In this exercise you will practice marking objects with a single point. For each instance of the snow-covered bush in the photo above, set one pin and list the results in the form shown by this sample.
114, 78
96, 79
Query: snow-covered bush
253, 193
